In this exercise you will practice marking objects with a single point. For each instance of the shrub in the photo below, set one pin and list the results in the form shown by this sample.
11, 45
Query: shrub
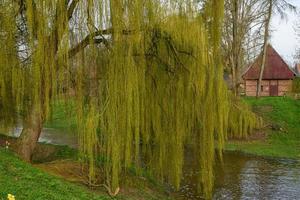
296, 85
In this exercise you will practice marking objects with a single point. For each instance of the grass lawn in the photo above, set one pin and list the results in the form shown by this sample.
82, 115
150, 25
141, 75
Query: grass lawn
26, 182
282, 115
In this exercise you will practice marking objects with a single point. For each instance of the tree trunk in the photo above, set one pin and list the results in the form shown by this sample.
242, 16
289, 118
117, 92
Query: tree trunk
233, 77
32, 127
264, 56
235, 63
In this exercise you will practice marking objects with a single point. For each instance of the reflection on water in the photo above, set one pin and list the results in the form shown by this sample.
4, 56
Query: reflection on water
248, 177
52, 136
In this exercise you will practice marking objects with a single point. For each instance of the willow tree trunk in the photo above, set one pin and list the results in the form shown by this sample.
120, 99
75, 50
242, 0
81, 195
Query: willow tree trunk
32, 127
264, 56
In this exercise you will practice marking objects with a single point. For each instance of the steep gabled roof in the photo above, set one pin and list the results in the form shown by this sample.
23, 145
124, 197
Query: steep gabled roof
275, 67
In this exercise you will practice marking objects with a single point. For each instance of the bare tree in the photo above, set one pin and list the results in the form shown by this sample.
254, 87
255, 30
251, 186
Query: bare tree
242, 34
272, 6
297, 31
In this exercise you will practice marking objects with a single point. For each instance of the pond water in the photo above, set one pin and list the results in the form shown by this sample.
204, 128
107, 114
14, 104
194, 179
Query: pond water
248, 177
239, 177
52, 136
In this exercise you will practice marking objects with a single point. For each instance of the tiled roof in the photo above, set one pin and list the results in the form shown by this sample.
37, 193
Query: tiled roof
275, 67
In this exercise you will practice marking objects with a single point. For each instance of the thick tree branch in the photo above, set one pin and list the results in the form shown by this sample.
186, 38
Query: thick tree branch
72, 8
93, 38
84, 43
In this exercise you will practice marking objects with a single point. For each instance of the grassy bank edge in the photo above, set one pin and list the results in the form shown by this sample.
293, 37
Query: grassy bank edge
27, 182
282, 118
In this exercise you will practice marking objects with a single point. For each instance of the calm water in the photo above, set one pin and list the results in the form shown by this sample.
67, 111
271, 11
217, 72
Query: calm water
248, 177
52, 136
240, 176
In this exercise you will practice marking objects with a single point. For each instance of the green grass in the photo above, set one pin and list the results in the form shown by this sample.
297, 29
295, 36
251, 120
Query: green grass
63, 116
281, 113
26, 182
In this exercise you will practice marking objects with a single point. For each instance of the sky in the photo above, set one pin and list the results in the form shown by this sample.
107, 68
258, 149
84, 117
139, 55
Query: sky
283, 36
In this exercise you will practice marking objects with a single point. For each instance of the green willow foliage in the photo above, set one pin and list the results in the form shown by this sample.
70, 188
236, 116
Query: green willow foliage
153, 86
241, 120
9, 73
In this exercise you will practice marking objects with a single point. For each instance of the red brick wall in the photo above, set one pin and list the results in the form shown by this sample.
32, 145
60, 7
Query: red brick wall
284, 86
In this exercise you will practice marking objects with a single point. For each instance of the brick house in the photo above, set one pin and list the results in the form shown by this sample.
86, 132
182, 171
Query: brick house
277, 76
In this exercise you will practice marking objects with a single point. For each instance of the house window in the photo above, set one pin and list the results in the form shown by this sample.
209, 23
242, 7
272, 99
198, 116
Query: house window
261, 88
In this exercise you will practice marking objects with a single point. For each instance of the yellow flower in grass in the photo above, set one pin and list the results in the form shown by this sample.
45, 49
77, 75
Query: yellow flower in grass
10, 197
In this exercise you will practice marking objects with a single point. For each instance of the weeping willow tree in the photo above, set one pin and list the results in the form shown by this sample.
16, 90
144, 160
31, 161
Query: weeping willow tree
147, 77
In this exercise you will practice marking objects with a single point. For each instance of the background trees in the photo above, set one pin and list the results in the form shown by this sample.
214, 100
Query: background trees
297, 30
271, 6
246, 34
242, 36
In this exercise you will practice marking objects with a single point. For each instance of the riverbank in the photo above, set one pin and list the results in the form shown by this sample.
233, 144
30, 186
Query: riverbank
57, 175
281, 134
26, 182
